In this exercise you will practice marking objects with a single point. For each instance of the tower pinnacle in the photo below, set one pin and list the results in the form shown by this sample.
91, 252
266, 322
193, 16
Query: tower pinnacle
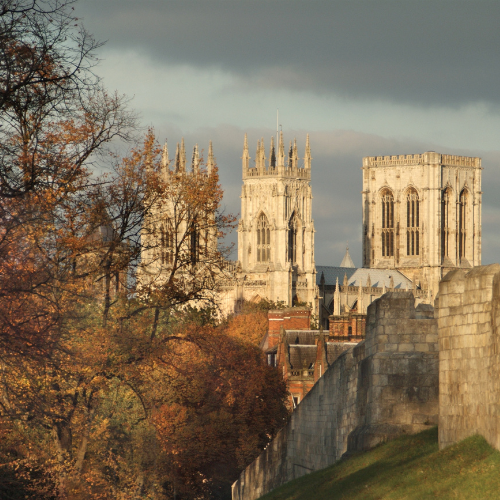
164, 160
195, 161
307, 156
210, 159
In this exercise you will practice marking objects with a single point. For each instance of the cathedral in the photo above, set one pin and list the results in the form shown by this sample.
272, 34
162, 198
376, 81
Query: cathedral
421, 218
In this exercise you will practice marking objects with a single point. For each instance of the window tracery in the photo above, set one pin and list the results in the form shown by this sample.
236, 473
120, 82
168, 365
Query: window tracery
462, 224
167, 244
293, 228
387, 224
263, 239
412, 223
445, 223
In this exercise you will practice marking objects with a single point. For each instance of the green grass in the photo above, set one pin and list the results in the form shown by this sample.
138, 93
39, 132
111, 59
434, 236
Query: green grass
410, 467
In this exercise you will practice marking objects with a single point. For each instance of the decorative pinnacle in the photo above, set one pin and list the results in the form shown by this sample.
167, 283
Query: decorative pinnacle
272, 154
177, 159
164, 156
183, 156
211, 159
246, 157
281, 151
195, 159
307, 157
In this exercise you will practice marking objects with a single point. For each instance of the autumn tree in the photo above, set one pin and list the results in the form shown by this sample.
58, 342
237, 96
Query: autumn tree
222, 405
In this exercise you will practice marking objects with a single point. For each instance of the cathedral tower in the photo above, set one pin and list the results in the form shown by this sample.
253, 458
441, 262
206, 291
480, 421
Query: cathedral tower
276, 229
422, 214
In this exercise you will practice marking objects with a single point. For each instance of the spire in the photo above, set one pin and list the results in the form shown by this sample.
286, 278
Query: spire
384, 289
257, 156
290, 156
195, 160
368, 282
164, 156
262, 155
164, 160
336, 299
391, 284
183, 156
307, 157
211, 158
245, 158
347, 261
177, 159
345, 279
272, 154
281, 151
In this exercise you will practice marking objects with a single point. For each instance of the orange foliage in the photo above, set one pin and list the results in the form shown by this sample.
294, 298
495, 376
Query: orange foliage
224, 405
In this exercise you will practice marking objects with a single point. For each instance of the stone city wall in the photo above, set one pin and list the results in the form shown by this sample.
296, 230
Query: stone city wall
468, 312
382, 387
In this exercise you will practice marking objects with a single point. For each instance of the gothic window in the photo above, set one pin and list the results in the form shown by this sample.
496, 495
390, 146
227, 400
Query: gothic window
263, 239
194, 243
387, 223
293, 227
462, 224
445, 223
167, 245
412, 223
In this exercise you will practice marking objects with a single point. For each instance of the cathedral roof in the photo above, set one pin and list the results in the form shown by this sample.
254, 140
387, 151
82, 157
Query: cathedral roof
378, 277
347, 261
331, 273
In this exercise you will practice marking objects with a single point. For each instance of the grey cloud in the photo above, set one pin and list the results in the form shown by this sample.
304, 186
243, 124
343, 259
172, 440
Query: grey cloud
425, 52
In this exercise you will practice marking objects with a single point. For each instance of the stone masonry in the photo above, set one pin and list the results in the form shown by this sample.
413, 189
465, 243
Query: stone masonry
385, 386
468, 312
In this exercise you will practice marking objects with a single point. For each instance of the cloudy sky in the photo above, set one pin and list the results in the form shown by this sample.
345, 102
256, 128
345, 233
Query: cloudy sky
363, 77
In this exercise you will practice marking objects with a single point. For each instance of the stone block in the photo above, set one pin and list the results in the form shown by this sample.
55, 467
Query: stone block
406, 347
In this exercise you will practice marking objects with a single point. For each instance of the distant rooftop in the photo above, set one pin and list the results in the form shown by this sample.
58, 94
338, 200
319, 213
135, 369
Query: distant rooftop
347, 261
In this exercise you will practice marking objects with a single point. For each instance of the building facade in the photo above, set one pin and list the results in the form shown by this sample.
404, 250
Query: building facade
422, 215
276, 229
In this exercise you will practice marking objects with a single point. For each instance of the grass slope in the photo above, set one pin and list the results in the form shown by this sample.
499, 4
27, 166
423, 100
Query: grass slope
410, 467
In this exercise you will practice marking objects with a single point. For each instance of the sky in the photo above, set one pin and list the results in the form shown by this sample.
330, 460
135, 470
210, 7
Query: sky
362, 77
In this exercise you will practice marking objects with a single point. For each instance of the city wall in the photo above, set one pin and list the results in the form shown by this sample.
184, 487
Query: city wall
384, 386
468, 313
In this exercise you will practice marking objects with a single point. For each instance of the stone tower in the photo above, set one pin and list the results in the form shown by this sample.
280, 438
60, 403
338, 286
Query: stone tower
422, 215
276, 229
178, 235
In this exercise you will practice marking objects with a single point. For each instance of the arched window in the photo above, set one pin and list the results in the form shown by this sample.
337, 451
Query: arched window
387, 224
167, 245
445, 223
412, 223
194, 242
462, 224
263, 239
293, 228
